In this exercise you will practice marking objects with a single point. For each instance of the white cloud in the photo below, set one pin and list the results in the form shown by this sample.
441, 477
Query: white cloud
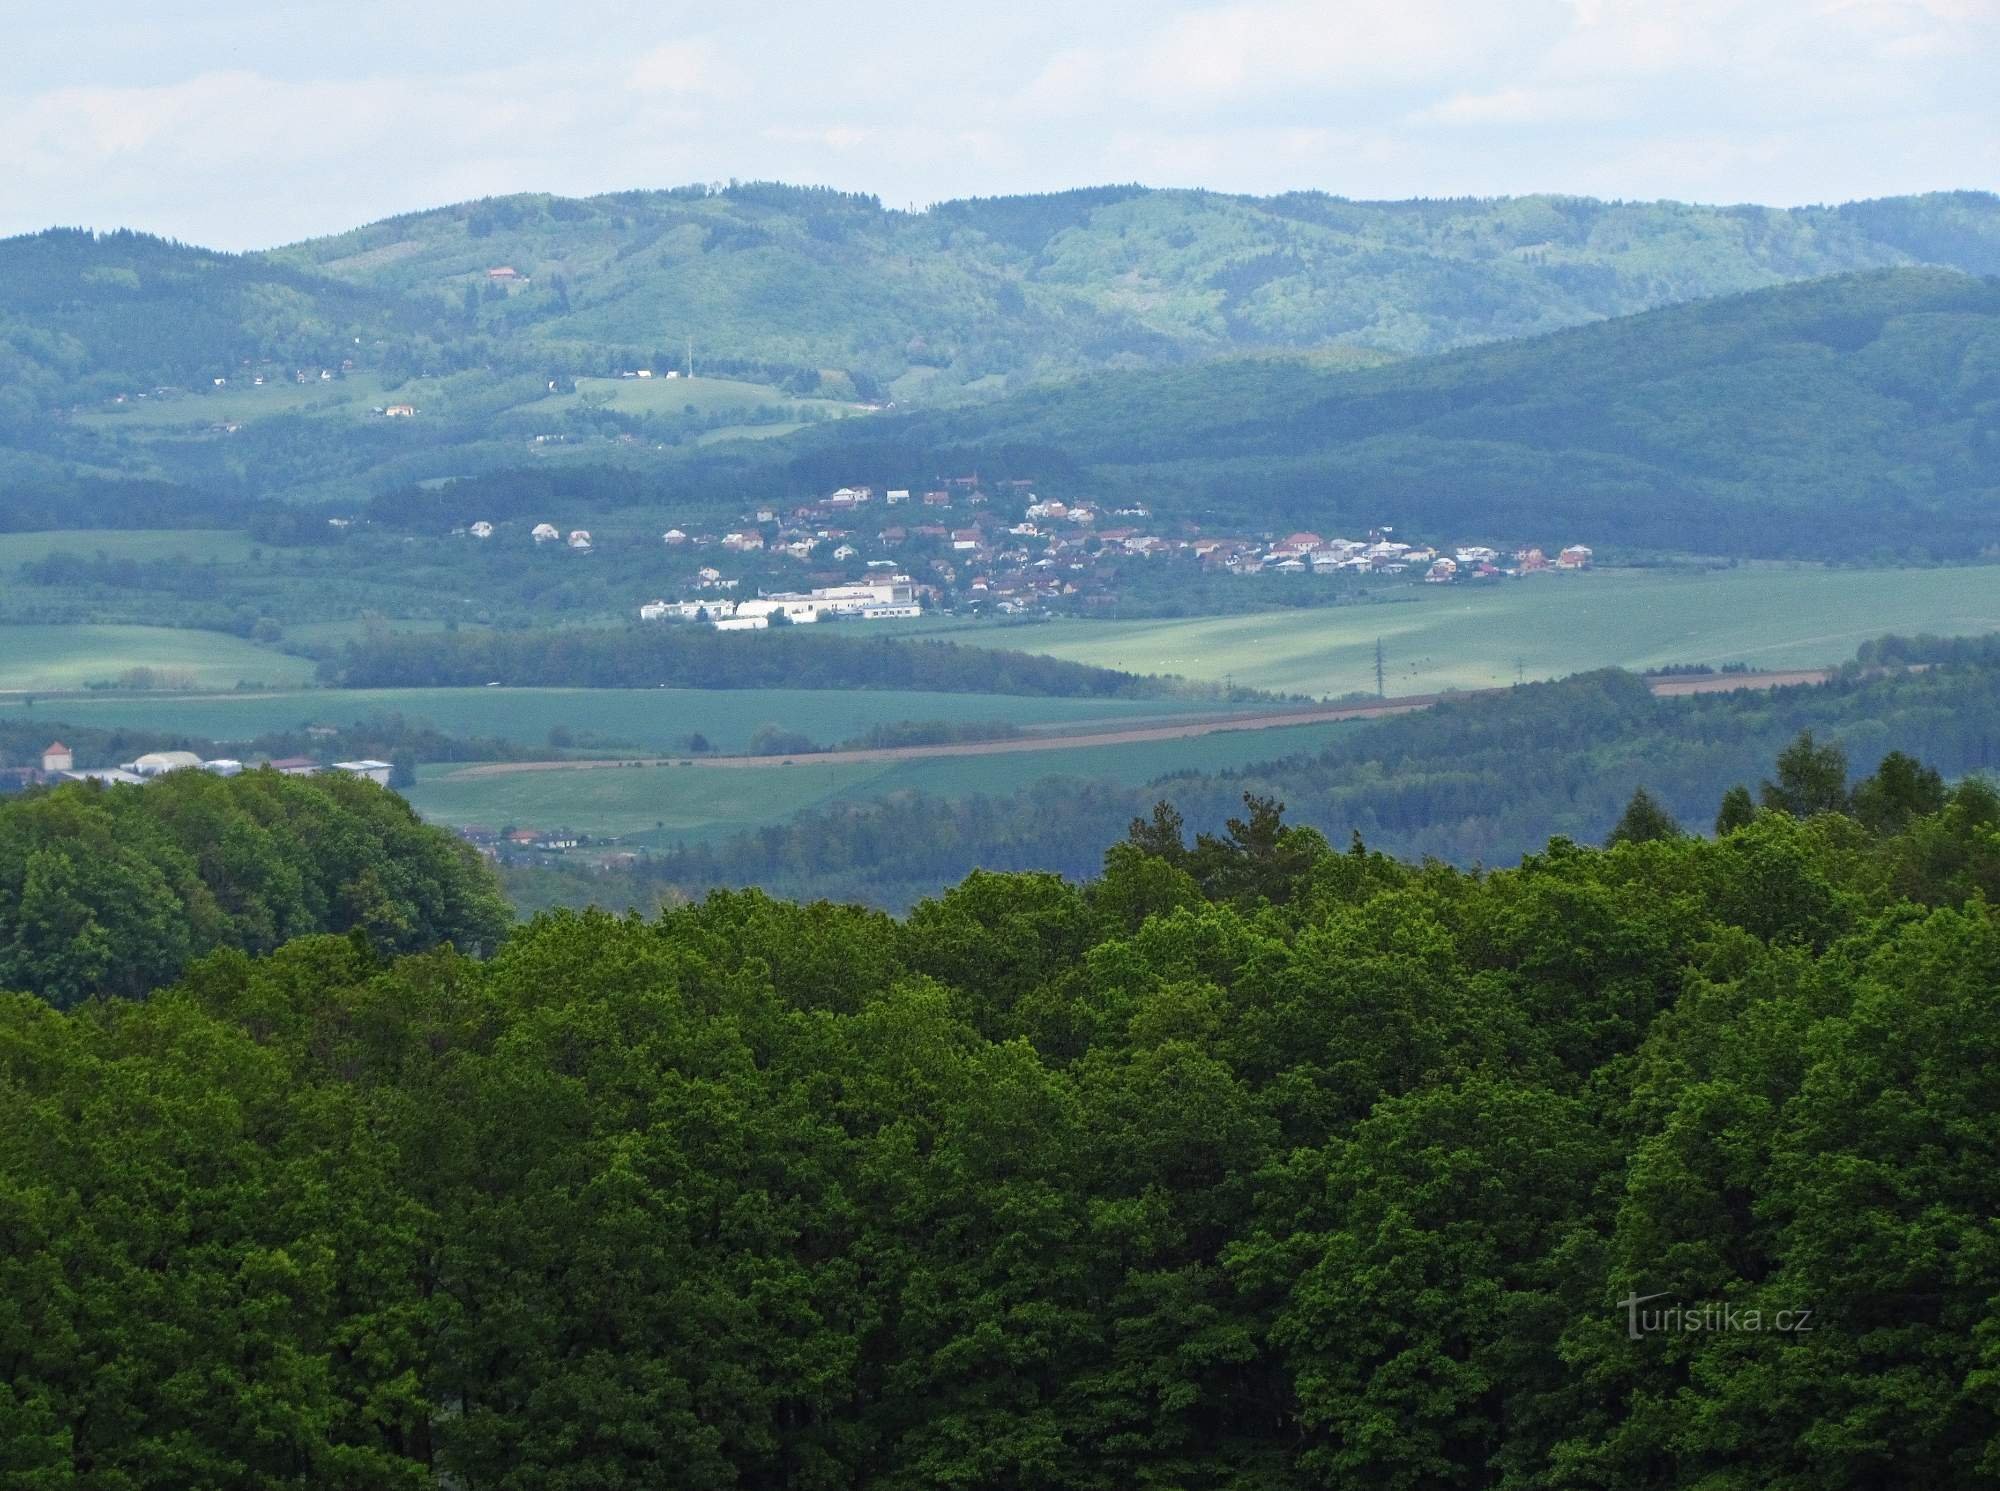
686, 67
253, 128
1513, 106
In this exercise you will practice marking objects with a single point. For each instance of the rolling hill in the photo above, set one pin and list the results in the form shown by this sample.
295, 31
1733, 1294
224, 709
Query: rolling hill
941, 301
1852, 417
1239, 358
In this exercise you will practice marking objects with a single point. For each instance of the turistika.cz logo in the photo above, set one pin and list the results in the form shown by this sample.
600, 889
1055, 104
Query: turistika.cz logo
1709, 1318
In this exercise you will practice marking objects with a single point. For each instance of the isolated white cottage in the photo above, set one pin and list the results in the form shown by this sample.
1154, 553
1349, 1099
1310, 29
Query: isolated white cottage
545, 533
482, 529
579, 538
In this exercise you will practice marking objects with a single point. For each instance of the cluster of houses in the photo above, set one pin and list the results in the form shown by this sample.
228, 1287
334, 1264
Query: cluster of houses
59, 765
966, 541
973, 542
869, 600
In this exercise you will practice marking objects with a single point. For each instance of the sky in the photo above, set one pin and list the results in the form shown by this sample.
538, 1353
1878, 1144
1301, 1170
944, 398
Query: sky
247, 123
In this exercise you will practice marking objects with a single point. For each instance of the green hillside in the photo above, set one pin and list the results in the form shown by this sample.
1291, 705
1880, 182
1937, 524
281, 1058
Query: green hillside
1854, 417
967, 290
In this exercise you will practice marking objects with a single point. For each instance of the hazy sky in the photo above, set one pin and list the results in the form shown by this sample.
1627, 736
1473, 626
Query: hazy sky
243, 124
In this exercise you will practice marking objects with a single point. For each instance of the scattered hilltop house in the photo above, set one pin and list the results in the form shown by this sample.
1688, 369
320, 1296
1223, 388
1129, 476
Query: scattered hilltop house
504, 274
744, 542
545, 533
846, 551
579, 538
482, 529
937, 499
375, 771
1476, 554
1576, 556
897, 494
56, 757
708, 575
673, 536
655, 611
963, 539
400, 411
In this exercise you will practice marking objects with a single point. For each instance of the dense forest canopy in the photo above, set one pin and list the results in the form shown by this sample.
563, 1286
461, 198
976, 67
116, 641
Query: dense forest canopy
113, 890
1250, 1163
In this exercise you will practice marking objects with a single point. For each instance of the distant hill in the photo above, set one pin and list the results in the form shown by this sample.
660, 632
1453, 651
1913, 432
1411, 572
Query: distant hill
935, 302
502, 326
1851, 417
86, 315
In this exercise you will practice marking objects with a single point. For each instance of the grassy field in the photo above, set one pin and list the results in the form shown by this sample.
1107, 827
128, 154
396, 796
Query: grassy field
657, 395
71, 657
647, 720
1538, 628
225, 545
663, 805
241, 401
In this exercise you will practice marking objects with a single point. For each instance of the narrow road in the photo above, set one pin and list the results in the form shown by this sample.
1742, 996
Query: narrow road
1699, 683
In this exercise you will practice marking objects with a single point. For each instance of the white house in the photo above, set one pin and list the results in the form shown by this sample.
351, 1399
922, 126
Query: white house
545, 533
673, 536
655, 611
375, 771
579, 538
56, 757
742, 624
482, 529
897, 494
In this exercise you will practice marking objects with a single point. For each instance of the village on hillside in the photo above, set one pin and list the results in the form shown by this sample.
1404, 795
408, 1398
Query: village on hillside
871, 554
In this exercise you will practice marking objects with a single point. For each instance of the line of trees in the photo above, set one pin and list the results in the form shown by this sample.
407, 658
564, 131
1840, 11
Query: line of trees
701, 657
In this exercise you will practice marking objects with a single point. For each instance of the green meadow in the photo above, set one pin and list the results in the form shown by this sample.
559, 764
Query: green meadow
221, 545
1465, 637
663, 805
73, 657
658, 395
642, 720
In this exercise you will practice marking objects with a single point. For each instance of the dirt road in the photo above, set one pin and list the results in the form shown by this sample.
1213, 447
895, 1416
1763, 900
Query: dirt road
1700, 683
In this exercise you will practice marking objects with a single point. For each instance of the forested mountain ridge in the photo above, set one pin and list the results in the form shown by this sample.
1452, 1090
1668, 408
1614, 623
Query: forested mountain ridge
1854, 417
1042, 285
1249, 1163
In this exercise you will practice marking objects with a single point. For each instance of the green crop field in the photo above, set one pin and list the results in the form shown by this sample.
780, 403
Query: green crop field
225, 545
1543, 627
647, 720
663, 805
71, 657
